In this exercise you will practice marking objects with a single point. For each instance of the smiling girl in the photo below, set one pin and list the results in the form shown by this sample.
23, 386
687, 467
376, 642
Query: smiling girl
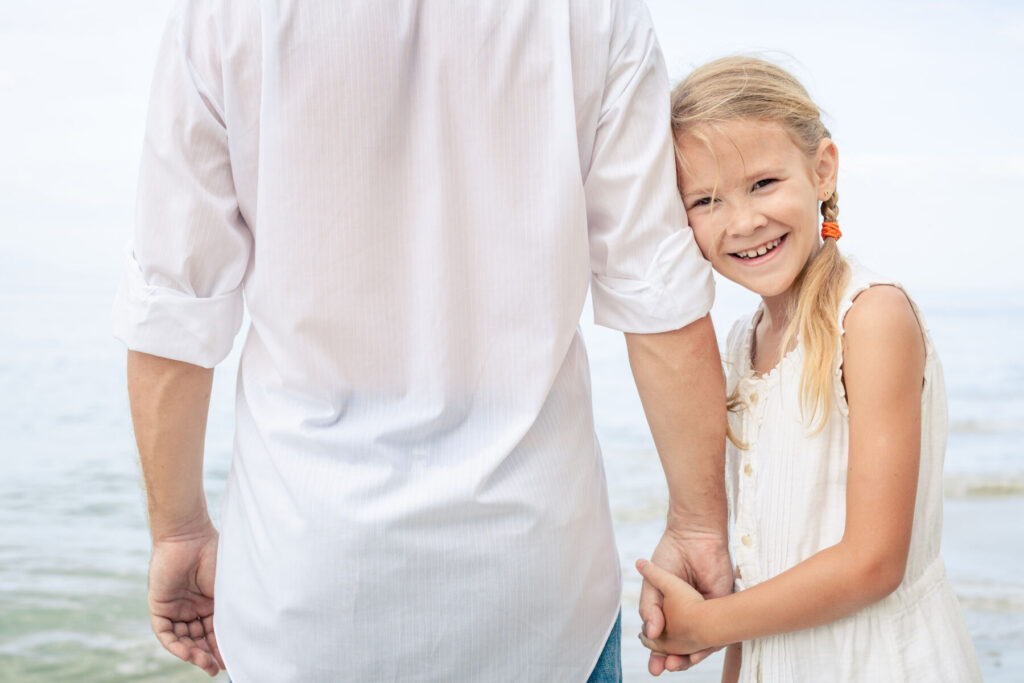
837, 413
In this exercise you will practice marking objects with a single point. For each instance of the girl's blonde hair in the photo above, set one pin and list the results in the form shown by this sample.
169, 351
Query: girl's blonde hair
750, 88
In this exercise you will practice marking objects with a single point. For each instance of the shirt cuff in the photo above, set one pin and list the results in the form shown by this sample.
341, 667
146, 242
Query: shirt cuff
169, 323
677, 290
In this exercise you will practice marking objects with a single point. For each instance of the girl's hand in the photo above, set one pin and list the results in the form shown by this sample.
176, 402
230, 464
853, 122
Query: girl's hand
702, 561
682, 615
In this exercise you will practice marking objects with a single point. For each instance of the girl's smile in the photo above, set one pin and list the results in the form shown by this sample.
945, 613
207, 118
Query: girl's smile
759, 254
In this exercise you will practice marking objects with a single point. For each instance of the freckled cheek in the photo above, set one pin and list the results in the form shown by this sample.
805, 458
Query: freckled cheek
792, 212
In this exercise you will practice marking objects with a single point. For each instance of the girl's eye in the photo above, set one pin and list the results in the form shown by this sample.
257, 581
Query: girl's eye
763, 183
703, 201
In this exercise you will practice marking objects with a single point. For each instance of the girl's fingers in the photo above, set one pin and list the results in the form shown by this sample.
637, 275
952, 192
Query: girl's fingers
659, 578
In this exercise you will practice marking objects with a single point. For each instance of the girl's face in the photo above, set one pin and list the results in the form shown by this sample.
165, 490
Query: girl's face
752, 201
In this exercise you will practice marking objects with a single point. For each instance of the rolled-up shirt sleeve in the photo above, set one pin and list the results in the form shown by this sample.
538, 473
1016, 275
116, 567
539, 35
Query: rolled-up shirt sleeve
181, 292
648, 273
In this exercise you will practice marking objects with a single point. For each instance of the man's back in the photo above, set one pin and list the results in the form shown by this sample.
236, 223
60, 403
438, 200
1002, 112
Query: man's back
413, 197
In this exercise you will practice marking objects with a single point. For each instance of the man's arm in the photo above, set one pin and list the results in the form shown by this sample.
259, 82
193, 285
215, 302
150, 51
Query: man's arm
679, 377
169, 404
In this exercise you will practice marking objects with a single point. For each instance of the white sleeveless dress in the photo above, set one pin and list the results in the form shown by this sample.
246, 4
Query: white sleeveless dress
787, 501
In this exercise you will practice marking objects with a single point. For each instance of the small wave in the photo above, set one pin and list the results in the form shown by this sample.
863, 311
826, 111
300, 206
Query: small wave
983, 486
991, 603
987, 426
990, 597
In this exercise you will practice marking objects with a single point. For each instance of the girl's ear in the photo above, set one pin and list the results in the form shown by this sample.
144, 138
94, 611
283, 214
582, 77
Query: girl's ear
826, 165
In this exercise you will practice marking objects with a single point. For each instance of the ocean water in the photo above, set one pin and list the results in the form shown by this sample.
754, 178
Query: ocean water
73, 540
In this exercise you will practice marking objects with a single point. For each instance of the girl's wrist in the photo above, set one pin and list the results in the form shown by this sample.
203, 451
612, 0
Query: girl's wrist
708, 628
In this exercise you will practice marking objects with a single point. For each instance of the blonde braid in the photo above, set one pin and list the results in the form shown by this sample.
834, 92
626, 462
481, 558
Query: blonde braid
830, 208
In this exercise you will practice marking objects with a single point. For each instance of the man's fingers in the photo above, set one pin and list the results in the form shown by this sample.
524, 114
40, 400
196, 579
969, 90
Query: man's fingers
656, 664
651, 645
211, 638
659, 578
164, 630
195, 653
660, 661
161, 625
677, 663
654, 622
191, 642
204, 661
176, 647
196, 630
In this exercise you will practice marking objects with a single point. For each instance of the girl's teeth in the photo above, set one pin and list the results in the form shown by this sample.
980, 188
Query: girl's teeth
760, 251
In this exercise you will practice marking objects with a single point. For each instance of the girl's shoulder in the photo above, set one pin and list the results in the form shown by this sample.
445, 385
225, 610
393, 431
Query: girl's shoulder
881, 314
873, 304
883, 333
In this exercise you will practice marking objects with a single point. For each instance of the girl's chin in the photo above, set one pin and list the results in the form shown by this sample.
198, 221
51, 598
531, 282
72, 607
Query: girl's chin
766, 288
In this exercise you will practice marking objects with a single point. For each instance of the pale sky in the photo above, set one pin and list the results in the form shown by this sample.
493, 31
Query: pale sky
923, 98
925, 102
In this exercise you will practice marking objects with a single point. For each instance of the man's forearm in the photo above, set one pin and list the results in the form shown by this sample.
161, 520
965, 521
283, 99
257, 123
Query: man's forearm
169, 403
679, 377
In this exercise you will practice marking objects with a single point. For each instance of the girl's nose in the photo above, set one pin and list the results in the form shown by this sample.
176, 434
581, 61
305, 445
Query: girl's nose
744, 220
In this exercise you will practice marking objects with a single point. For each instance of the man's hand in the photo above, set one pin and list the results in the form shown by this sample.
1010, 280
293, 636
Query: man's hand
702, 562
181, 576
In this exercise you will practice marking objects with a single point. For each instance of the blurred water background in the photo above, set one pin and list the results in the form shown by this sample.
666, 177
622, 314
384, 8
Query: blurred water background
73, 540
73, 81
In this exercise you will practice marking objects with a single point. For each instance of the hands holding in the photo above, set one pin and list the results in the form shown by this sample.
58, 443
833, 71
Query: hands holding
681, 609
683, 571
181, 575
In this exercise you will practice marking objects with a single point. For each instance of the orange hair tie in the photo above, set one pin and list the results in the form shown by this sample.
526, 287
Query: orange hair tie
830, 229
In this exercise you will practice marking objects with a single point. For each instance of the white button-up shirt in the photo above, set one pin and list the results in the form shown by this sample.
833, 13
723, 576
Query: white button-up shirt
411, 198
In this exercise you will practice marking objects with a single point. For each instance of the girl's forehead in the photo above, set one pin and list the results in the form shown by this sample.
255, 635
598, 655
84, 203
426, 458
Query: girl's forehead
735, 145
